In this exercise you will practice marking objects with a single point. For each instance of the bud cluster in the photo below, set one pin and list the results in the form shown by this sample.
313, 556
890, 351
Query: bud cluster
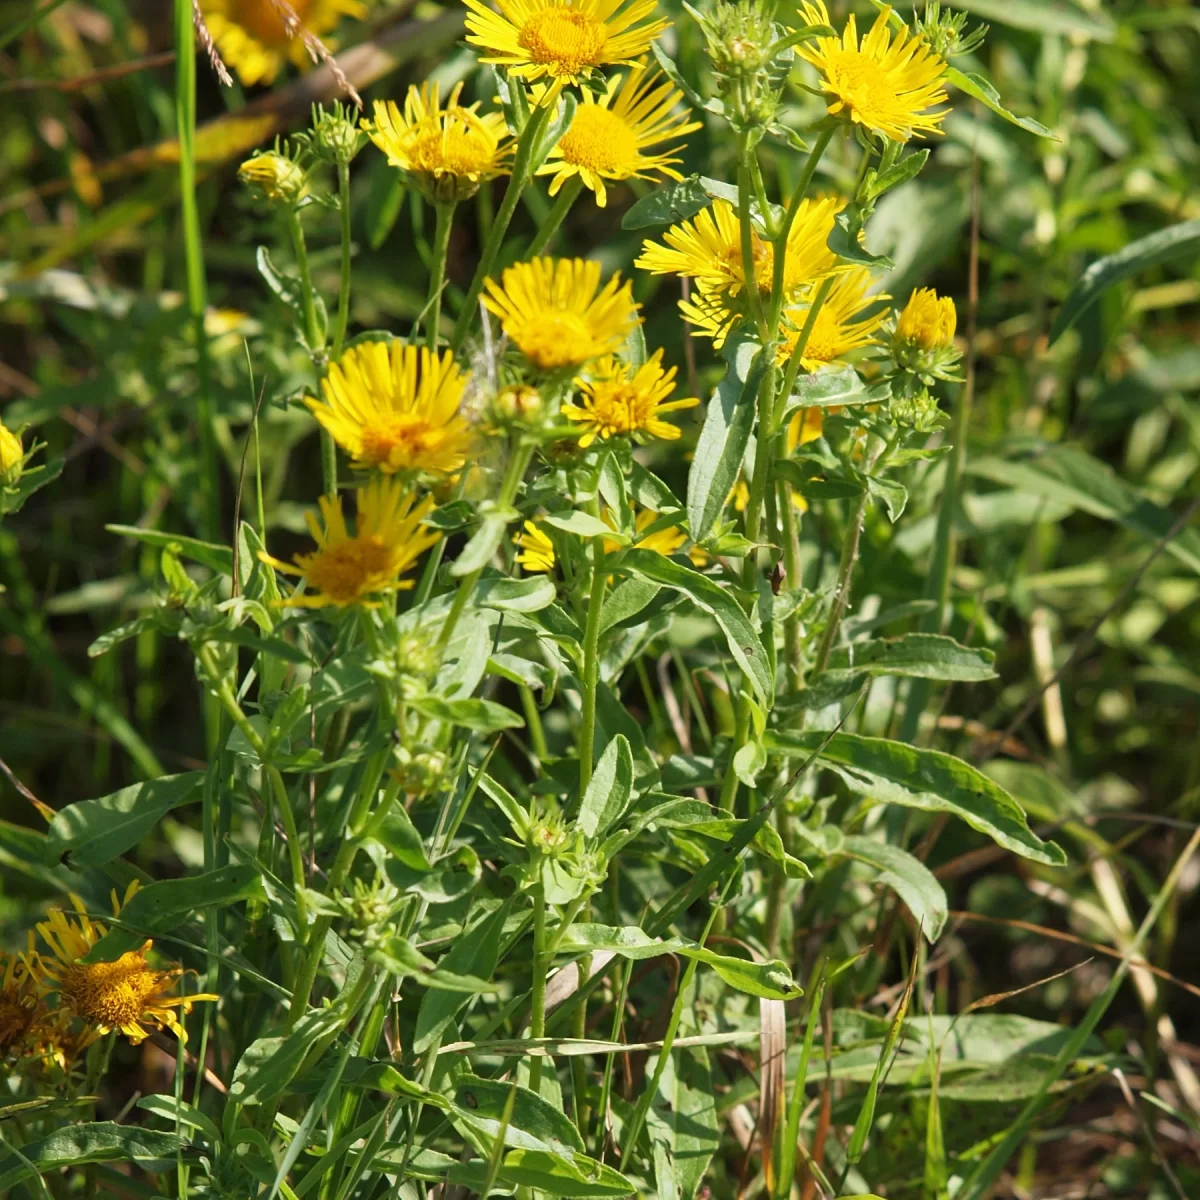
944, 31
749, 68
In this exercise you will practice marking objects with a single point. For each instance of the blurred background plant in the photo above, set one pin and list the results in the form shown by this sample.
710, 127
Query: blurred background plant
1080, 455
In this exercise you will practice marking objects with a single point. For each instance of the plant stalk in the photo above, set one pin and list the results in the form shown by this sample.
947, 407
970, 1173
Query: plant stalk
437, 279
554, 218
591, 665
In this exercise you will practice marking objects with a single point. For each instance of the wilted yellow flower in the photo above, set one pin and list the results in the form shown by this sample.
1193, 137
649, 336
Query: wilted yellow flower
395, 407
12, 455
126, 995
839, 327
618, 400
253, 38
537, 550
883, 84
275, 176
447, 151
564, 40
349, 568
555, 312
927, 320
18, 1004
609, 136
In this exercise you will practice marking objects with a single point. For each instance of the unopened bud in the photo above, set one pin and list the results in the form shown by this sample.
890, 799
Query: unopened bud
519, 402
336, 136
276, 177
12, 457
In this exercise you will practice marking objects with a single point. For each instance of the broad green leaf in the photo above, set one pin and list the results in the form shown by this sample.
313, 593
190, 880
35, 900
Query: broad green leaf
628, 941
578, 1176
476, 953
1072, 476
584, 525
723, 439
97, 831
534, 1123
162, 906
1176, 243
684, 1130
743, 642
515, 595
977, 87
667, 204
629, 598
33, 479
896, 773
919, 655
485, 716
485, 541
844, 239
609, 790
216, 558
1043, 16
748, 761
269, 1064
402, 959
771, 980
833, 387
99, 1141
908, 877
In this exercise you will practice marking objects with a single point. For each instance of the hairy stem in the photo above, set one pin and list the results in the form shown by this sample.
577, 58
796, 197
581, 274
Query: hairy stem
437, 279
343, 312
591, 666
554, 218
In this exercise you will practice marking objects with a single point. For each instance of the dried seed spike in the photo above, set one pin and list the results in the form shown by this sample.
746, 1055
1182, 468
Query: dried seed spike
316, 48
209, 46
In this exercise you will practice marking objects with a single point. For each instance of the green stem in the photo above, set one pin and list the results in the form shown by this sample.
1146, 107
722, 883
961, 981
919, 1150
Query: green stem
185, 123
437, 279
343, 313
554, 218
841, 595
792, 641
295, 853
526, 144
591, 666
537, 1018
746, 225
810, 319
533, 721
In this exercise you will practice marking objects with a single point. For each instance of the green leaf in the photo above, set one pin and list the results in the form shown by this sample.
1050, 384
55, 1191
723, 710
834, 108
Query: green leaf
1072, 476
97, 831
33, 479
609, 790
99, 1141
162, 906
531, 594
722, 442
627, 941
584, 525
685, 1134
771, 980
914, 655
1176, 243
485, 541
668, 204
578, 1176
834, 387
748, 761
908, 877
184, 1113
534, 1123
624, 602
269, 1064
895, 773
843, 240
1043, 16
215, 558
484, 716
980, 89
743, 642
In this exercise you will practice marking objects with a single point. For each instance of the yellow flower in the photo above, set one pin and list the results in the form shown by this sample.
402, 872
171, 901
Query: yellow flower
537, 550
662, 541
126, 995
277, 177
564, 40
254, 40
12, 455
882, 84
618, 400
608, 135
806, 425
927, 320
18, 1004
836, 331
349, 568
396, 407
550, 308
448, 151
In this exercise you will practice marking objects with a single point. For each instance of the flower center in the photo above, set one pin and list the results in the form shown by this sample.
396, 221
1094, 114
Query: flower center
600, 141
112, 994
860, 84
763, 255
622, 408
263, 21
458, 150
347, 570
555, 339
563, 39
398, 440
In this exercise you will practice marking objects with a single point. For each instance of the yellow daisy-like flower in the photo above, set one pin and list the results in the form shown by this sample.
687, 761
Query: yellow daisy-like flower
662, 541
396, 408
349, 568
883, 83
537, 550
447, 151
18, 1004
838, 328
253, 38
927, 320
609, 136
618, 400
563, 40
128, 995
555, 312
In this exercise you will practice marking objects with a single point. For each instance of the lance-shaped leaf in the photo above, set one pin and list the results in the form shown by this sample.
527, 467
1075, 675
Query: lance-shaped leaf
908, 877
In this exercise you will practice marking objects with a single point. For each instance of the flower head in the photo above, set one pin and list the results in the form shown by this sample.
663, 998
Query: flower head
350, 568
883, 83
927, 320
536, 548
12, 455
839, 327
253, 35
275, 176
555, 312
563, 40
616, 400
609, 137
396, 408
448, 152
127, 995
18, 1004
